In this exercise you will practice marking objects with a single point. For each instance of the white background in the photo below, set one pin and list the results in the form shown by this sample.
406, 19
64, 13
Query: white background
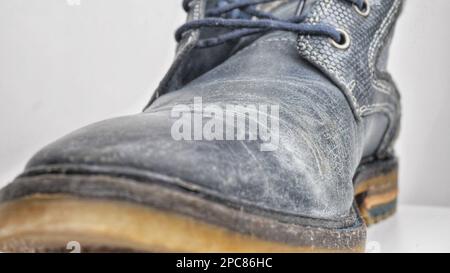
64, 65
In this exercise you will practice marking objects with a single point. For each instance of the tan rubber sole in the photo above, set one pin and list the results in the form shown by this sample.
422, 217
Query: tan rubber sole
49, 223
377, 197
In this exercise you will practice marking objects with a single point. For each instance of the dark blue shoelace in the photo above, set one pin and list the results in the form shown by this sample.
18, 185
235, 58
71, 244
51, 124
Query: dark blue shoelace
237, 15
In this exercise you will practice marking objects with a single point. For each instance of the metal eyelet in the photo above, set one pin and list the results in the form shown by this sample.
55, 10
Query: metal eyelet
365, 11
345, 40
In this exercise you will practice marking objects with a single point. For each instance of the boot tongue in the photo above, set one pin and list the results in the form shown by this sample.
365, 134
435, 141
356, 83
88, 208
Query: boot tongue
282, 9
274, 7
194, 62
270, 55
204, 59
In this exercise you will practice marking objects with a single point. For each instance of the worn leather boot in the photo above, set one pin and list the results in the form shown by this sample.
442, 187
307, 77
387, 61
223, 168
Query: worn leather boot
145, 183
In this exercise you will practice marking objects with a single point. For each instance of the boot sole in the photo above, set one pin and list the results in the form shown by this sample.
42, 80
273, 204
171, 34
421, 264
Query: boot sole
48, 222
377, 196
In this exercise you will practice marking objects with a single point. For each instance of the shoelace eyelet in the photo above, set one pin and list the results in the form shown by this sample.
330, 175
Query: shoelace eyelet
365, 11
345, 40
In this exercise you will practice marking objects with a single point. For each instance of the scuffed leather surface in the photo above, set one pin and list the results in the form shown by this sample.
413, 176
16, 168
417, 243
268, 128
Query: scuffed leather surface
310, 175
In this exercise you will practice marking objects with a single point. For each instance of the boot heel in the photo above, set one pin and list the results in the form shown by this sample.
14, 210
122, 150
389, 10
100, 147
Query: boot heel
377, 196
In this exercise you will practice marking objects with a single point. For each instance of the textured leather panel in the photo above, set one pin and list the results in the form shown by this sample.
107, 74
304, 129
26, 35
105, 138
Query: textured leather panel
356, 69
353, 69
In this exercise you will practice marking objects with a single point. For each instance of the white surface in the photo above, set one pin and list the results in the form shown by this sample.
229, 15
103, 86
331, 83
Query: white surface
420, 64
412, 229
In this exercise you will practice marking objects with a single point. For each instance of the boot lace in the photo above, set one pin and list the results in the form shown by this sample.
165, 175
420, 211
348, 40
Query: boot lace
242, 18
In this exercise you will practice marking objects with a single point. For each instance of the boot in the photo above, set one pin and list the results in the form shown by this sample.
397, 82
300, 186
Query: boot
273, 130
